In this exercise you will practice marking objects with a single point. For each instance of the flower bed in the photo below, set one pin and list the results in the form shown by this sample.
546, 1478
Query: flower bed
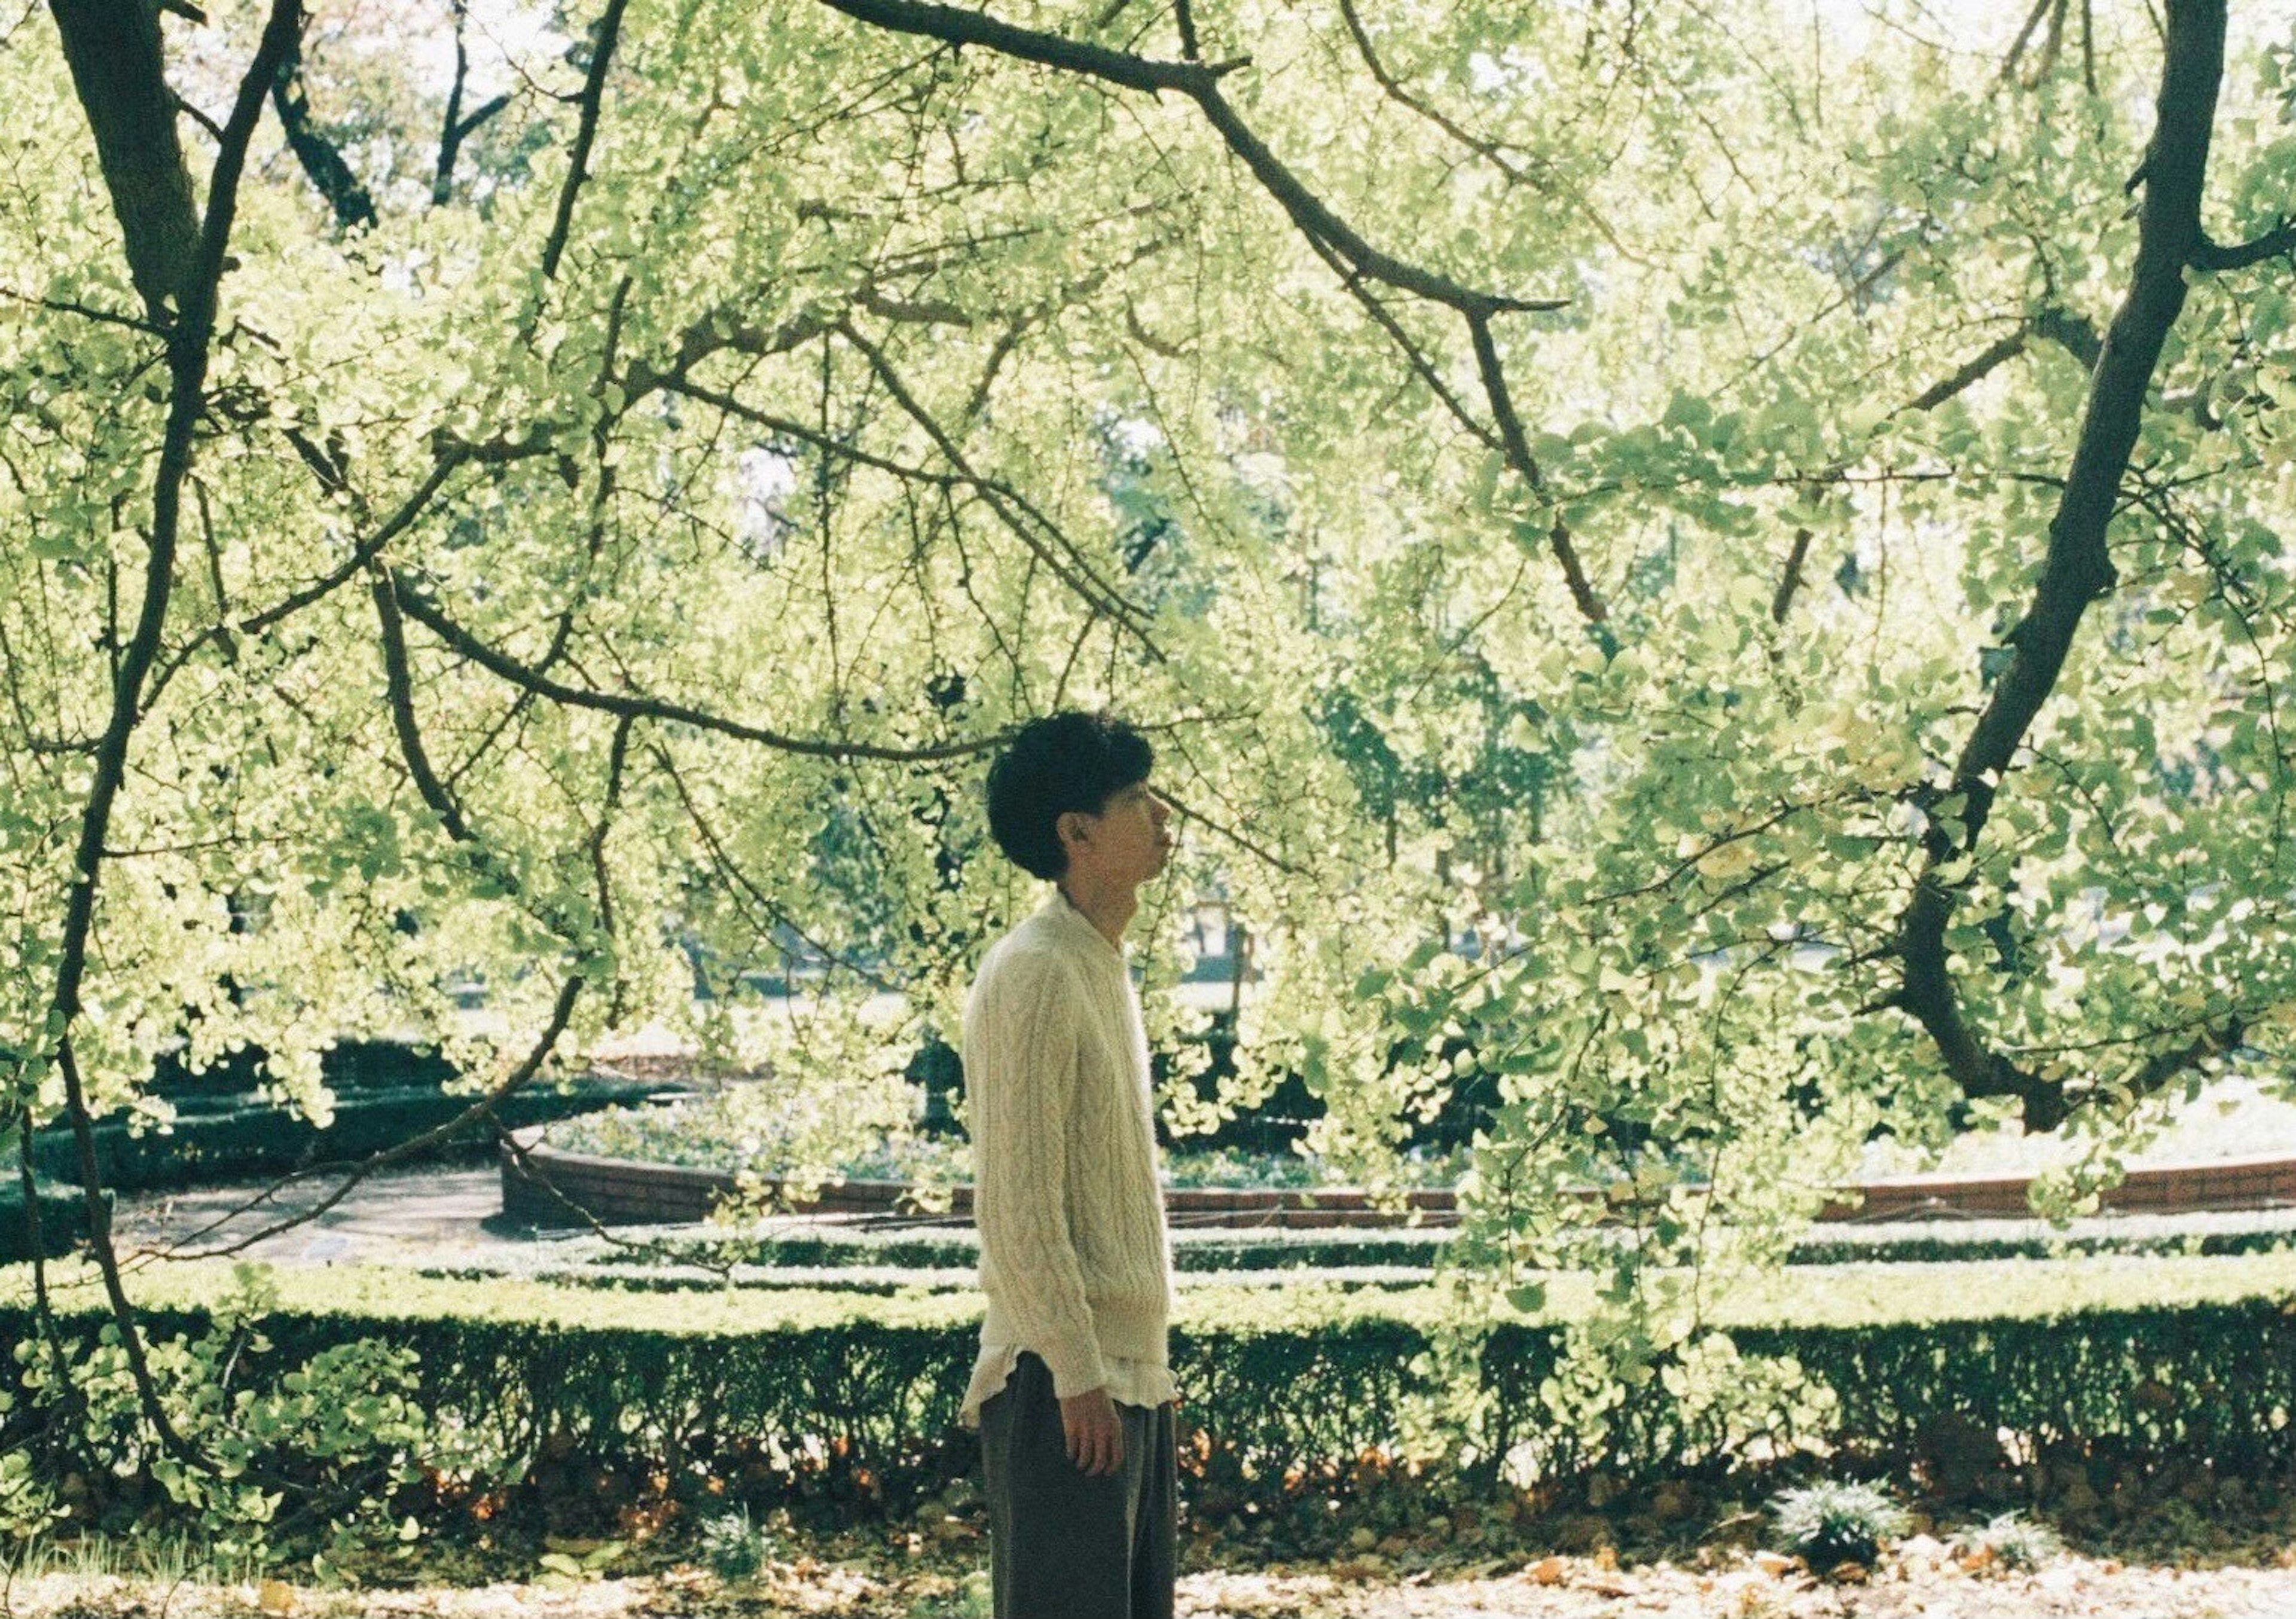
549, 1184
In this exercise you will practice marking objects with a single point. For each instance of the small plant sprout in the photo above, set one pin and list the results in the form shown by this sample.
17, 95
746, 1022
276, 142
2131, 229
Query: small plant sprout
2013, 1542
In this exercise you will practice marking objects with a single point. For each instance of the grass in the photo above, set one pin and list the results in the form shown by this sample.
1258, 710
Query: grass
153, 1560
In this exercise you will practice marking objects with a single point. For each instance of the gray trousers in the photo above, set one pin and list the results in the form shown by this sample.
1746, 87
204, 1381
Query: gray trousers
1065, 1545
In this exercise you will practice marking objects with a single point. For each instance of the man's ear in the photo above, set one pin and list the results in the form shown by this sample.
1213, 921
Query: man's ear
1068, 827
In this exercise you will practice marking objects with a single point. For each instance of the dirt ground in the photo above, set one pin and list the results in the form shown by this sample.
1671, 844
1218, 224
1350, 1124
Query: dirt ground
1922, 1580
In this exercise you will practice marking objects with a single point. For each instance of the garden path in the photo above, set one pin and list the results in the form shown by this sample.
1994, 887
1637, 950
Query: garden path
429, 1215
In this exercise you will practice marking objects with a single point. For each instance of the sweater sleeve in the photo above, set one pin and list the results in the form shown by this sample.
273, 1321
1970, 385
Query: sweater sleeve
1020, 1061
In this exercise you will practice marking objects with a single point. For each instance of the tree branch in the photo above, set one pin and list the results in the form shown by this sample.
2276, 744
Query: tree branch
365, 552
561, 1013
732, 872
585, 133
408, 596
455, 128
1315, 219
2211, 256
1184, 17
135, 82
399, 690
1790, 577
112, 48
1019, 515
1971, 374
1518, 456
952, 26
1488, 151
322, 162
2073, 333
2078, 570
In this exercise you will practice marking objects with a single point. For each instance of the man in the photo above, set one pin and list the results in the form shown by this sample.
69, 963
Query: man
1072, 1392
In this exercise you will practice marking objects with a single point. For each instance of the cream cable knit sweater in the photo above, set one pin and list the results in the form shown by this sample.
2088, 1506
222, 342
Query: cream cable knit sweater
1074, 1255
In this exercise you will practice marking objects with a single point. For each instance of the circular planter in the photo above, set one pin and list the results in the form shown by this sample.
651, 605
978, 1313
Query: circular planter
544, 1185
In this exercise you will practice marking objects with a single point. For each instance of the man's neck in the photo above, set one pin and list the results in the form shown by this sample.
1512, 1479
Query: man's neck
1108, 906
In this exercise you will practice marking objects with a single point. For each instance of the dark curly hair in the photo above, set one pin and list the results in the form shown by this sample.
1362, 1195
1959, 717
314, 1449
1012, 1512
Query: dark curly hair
1062, 761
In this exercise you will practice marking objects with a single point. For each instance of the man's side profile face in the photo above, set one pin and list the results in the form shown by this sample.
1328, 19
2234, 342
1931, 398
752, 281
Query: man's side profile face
1129, 842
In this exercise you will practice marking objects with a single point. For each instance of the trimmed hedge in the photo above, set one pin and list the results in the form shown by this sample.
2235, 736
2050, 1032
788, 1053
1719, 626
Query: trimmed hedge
850, 1403
2164, 1237
958, 1247
219, 1138
348, 1065
882, 1281
63, 1221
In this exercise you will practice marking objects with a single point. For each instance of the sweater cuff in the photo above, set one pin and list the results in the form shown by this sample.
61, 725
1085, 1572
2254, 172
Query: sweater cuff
1075, 1364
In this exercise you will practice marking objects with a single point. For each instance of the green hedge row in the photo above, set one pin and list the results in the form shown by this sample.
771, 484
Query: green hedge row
62, 1222
219, 1141
348, 1065
1274, 1248
958, 1247
850, 1403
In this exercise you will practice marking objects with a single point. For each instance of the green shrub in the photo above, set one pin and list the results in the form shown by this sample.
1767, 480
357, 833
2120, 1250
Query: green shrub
1833, 1522
334, 1433
841, 1405
2014, 1542
2177, 1236
734, 1548
232, 1137
62, 1221
958, 1248
787, 1246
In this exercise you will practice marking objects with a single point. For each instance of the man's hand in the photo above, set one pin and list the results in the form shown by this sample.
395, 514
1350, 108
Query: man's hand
1095, 1433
